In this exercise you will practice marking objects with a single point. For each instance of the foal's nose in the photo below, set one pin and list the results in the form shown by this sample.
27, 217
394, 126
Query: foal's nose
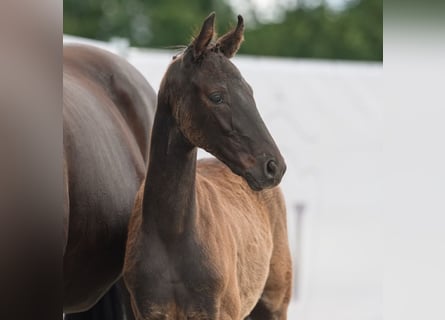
272, 170
267, 172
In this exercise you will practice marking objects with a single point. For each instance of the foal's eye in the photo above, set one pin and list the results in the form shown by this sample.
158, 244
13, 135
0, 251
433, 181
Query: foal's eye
216, 98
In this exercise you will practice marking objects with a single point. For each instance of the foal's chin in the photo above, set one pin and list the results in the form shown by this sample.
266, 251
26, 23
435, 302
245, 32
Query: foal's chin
259, 184
257, 178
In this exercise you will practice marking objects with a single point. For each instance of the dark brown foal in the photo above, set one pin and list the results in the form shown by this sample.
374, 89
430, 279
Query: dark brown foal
208, 239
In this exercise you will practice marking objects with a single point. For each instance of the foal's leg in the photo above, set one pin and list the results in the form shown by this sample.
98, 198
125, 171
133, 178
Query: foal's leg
277, 291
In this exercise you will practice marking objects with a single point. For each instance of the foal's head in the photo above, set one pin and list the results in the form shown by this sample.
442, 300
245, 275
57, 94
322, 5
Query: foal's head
215, 110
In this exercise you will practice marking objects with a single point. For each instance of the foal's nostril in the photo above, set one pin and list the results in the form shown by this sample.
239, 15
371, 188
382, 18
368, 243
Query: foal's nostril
271, 168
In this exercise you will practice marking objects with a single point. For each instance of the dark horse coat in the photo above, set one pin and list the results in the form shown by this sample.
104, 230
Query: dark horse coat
108, 110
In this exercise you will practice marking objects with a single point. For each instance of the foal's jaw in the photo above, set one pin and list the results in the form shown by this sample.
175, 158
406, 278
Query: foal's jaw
253, 156
260, 172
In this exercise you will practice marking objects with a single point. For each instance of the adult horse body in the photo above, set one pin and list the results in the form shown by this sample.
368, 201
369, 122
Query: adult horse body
206, 239
108, 110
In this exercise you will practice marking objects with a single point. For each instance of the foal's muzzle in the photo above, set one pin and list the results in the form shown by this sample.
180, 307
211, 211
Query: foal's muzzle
267, 173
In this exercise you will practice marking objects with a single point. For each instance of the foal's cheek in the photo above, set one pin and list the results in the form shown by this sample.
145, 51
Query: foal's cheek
222, 117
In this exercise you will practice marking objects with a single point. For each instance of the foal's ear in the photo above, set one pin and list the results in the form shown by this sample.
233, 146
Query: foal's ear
231, 41
205, 36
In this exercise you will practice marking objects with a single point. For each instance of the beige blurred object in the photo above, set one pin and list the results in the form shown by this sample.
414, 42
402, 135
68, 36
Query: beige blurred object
30, 159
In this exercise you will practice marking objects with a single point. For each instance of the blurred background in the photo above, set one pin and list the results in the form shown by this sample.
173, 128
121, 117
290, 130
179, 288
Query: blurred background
316, 70
325, 29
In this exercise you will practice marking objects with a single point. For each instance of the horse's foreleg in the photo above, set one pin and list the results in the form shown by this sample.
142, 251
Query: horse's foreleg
114, 305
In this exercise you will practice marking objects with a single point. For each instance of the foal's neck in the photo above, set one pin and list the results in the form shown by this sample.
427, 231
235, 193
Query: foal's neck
169, 195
